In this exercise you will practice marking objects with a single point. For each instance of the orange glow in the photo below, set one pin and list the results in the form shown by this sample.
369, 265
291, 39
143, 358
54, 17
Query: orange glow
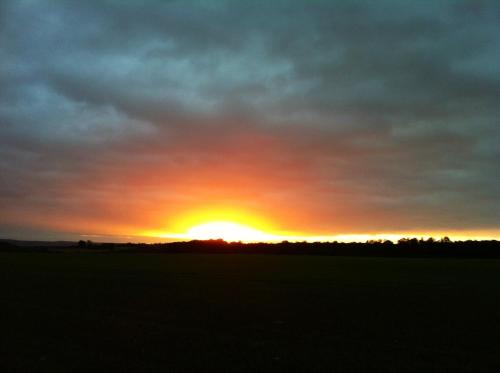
227, 231
236, 225
232, 225
218, 223
217, 214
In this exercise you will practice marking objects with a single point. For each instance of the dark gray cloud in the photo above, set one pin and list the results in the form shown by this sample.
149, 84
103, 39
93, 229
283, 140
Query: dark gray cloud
365, 116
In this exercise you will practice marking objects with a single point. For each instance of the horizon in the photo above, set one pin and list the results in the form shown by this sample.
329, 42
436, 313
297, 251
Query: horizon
341, 239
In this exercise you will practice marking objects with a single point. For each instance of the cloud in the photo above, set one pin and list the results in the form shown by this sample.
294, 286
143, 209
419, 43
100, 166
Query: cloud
328, 117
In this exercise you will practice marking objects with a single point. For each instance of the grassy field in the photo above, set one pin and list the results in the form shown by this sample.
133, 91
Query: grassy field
141, 312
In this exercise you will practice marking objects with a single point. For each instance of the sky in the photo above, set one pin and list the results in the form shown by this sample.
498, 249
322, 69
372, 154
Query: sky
124, 119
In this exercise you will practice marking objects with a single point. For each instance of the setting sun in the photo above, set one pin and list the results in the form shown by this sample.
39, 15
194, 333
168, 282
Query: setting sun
218, 222
227, 231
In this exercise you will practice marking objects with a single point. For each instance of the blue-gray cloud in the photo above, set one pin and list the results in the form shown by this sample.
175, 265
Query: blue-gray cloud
383, 112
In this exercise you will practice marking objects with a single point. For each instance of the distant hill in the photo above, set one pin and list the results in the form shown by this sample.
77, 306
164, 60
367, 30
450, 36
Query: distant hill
22, 243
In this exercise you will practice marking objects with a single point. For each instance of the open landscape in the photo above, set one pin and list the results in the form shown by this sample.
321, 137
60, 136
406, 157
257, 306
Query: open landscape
192, 312
250, 186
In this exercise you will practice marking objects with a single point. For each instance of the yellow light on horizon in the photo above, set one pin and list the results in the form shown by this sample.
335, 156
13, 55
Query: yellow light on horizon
218, 222
228, 231
232, 225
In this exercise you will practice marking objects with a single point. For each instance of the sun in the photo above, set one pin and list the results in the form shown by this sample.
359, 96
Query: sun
228, 231
228, 224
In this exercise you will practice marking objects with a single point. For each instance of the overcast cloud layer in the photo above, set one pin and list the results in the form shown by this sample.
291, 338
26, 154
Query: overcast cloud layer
325, 117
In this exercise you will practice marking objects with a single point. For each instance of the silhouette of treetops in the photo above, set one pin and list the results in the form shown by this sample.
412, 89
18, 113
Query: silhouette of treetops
405, 247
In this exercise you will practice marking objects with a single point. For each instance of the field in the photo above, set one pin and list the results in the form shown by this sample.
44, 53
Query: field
79, 312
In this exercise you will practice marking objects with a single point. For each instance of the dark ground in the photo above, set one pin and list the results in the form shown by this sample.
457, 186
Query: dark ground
84, 312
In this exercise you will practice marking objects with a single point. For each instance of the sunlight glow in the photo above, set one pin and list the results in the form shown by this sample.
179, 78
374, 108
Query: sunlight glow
218, 222
227, 231
233, 225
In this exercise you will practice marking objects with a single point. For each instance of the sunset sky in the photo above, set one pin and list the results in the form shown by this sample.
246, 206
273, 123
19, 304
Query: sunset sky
139, 120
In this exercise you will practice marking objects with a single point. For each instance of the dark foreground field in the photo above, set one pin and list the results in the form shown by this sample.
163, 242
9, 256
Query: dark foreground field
139, 312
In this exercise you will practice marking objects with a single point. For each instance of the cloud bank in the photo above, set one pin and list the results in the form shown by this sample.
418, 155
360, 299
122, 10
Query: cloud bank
324, 117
